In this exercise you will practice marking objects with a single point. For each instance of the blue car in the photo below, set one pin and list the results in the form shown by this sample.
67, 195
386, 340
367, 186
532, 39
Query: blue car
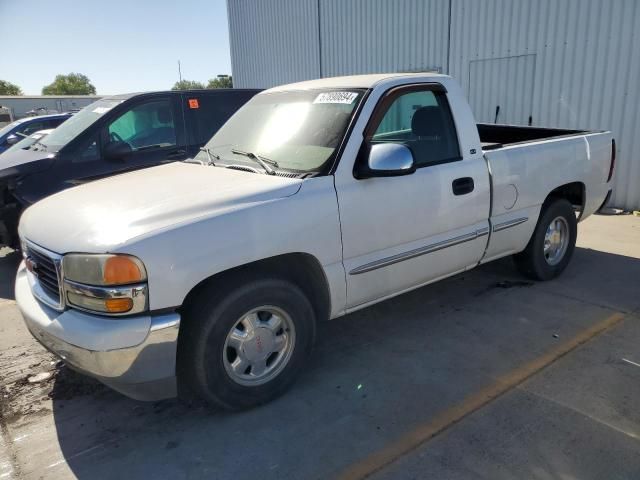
16, 131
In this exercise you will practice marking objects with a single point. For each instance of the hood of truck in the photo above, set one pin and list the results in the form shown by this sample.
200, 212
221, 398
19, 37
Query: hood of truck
104, 215
21, 162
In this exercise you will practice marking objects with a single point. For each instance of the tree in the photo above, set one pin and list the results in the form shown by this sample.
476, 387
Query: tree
8, 88
222, 81
72, 84
187, 85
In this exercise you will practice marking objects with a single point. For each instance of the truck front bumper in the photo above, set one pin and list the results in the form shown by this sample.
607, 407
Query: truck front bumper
135, 355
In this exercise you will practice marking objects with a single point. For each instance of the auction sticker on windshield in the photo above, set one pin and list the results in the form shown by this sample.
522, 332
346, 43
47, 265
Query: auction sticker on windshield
336, 97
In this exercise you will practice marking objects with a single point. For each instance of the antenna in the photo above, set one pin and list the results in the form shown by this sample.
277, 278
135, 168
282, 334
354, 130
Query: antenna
179, 71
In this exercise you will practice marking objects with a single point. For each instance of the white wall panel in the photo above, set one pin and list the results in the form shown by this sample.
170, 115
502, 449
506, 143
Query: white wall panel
501, 89
372, 36
273, 41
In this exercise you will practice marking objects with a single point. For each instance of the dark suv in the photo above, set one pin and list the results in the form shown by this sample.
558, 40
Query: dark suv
111, 136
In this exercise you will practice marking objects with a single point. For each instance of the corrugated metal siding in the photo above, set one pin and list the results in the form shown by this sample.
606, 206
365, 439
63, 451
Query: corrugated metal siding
587, 66
370, 36
501, 89
273, 41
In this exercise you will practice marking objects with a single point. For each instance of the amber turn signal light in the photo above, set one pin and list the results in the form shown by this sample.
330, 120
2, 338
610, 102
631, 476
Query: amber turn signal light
120, 270
118, 305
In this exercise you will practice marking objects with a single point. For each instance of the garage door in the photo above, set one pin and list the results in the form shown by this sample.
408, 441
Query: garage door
501, 89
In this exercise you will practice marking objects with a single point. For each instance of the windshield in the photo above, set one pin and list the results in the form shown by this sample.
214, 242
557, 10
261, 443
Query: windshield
78, 123
296, 130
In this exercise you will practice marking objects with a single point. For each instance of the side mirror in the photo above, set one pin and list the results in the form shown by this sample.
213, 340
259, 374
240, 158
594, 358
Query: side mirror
387, 160
13, 139
116, 151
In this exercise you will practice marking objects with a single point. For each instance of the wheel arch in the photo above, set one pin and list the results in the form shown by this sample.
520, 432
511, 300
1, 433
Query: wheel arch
302, 269
574, 192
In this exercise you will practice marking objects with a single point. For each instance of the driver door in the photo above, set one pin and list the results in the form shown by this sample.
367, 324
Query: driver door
400, 232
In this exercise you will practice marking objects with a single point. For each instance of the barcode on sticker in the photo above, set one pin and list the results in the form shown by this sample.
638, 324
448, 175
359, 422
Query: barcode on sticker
336, 97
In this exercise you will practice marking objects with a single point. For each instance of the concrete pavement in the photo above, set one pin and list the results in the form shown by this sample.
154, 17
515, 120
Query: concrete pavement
376, 378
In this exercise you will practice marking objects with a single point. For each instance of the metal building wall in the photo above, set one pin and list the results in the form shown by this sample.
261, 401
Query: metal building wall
273, 41
564, 63
370, 36
586, 72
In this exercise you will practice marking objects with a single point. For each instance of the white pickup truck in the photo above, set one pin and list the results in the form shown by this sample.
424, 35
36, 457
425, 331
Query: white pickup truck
314, 200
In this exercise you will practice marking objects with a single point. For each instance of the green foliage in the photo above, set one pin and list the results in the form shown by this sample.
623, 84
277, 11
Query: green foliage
8, 88
222, 81
72, 84
187, 85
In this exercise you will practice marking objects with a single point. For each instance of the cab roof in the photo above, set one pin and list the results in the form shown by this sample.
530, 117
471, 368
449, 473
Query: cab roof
126, 96
353, 81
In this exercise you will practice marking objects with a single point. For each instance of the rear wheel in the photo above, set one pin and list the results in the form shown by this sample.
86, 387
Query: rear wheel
551, 246
246, 345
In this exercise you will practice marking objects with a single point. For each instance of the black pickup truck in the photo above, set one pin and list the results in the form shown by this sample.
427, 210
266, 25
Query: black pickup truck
111, 136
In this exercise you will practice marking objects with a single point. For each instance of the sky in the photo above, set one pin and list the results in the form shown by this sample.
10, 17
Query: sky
121, 45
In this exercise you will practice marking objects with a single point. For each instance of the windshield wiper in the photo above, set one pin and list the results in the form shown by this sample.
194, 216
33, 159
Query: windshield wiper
264, 162
211, 155
155, 145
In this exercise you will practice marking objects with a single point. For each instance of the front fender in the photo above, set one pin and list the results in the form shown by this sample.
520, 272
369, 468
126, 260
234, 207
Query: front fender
178, 259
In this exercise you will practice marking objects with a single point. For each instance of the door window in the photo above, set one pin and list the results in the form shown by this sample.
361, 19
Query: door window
422, 121
150, 124
32, 127
53, 123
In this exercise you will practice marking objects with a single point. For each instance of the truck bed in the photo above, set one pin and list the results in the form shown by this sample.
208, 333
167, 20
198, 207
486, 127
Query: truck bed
495, 136
543, 160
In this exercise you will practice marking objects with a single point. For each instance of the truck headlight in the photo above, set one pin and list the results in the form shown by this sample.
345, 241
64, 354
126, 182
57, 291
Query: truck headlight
105, 283
105, 270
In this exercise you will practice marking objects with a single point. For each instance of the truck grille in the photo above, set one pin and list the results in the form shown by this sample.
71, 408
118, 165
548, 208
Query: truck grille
44, 266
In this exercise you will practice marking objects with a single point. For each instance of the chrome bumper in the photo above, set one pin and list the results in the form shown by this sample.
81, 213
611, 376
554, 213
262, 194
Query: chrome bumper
135, 356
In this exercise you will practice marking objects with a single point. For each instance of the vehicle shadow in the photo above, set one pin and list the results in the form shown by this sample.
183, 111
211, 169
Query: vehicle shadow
374, 375
9, 261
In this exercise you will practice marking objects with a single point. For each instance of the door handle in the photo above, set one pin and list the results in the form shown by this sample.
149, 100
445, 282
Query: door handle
462, 186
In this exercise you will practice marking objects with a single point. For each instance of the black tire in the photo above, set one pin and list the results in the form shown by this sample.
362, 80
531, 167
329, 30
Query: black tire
532, 262
210, 318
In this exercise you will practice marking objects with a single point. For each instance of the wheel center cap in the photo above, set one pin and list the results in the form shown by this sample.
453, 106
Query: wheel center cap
259, 345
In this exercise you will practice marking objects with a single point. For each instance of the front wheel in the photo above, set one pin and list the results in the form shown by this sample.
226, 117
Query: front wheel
550, 248
246, 345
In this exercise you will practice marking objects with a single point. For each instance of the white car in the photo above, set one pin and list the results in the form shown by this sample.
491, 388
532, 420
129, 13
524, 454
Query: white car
314, 200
